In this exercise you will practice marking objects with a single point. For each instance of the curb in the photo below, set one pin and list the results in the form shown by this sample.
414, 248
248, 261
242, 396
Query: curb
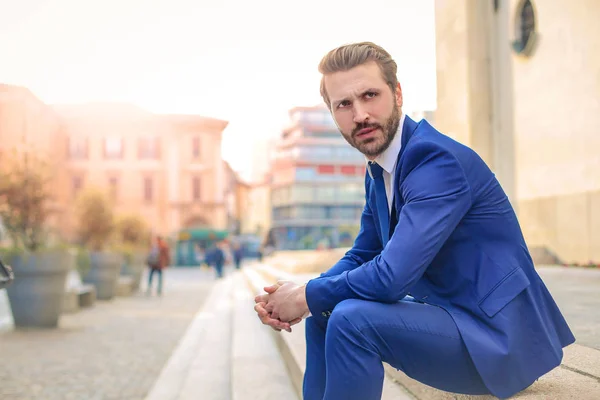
173, 376
293, 363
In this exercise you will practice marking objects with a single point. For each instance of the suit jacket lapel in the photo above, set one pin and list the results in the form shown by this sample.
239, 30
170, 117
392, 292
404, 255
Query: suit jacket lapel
407, 132
409, 128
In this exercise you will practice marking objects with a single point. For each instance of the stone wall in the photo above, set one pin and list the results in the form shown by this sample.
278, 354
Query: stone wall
535, 120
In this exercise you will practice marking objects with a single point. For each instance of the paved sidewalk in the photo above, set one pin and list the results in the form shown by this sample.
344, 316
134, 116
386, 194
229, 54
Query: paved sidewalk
577, 293
113, 351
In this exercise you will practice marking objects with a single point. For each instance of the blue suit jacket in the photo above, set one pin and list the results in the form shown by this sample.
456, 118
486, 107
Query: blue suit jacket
457, 244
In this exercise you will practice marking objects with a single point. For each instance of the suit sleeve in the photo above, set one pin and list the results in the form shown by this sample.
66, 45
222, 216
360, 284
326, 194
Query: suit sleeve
366, 245
437, 196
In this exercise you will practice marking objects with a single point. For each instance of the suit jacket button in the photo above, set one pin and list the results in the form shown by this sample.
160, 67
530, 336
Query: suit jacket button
324, 314
328, 313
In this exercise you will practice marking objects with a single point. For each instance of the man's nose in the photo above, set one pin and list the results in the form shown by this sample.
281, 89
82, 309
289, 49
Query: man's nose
360, 114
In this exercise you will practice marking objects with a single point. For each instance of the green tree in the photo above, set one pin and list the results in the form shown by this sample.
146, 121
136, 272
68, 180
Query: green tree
95, 219
133, 230
24, 196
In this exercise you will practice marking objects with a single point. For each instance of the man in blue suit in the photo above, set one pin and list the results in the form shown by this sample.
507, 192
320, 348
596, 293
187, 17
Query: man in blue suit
439, 282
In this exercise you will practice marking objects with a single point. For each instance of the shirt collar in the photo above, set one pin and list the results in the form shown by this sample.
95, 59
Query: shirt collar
387, 160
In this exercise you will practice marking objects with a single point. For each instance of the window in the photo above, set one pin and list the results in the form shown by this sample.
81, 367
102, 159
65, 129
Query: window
76, 185
196, 147
316, 153
196, 188
348, 154
78, 148
325, 193
351, 192
321, 152
113, 183
525, 29
113, 148
148, 148
318, 117
313, 116
305, 173
148, 188
310, 212
303, 194
280, 213
350, 213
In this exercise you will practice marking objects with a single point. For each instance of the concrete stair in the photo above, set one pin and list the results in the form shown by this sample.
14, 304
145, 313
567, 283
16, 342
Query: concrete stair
578, 377
293, 347
226, 354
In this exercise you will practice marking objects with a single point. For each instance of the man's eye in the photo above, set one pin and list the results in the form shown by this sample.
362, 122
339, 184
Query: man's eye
370, 95
344, 104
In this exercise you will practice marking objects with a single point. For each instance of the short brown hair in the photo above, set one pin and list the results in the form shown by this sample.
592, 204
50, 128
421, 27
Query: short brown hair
348, 56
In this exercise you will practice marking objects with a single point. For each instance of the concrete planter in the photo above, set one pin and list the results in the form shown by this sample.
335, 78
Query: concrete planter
134, 269
36, 295
104, 273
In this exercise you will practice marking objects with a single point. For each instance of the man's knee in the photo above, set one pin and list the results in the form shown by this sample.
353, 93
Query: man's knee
347, 314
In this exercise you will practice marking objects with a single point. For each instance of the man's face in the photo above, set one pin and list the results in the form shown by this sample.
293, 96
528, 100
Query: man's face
364, 108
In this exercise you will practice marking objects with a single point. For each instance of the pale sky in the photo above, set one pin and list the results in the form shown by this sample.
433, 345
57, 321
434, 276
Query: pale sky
244, 61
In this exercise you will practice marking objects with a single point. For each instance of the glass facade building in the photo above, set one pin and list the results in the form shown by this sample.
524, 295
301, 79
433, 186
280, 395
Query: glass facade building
317, 191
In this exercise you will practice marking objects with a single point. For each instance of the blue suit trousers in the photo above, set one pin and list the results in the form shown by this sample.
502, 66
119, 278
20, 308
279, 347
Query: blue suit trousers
344, 358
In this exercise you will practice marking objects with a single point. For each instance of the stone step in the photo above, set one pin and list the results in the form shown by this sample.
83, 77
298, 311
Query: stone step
293, 346
578, 377
200, 365
258, 371
209, 374
226, 354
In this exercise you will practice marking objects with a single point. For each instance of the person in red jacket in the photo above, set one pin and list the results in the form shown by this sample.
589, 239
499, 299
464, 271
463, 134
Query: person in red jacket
158, 260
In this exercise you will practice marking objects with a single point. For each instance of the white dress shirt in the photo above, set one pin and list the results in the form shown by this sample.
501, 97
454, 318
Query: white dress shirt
388, 160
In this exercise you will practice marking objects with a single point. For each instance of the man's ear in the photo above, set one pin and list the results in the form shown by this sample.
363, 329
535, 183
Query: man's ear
399, 98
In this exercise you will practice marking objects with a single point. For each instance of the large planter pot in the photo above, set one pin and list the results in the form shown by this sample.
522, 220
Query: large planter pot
135, 268
36, 295
104, 273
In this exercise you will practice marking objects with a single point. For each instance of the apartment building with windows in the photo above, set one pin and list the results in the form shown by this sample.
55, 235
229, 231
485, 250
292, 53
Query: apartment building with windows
317, 187
166, 168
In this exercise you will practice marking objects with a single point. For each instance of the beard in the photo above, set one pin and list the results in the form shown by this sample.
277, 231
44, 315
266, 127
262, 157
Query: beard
373, 147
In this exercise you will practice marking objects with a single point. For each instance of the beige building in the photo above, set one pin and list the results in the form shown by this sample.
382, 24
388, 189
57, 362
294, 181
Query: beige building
258, 219
237, 194
166, 168
519, 81
27, 125
22, 118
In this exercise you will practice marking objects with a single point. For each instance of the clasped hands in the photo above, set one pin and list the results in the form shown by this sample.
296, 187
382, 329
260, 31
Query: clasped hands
282, 306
